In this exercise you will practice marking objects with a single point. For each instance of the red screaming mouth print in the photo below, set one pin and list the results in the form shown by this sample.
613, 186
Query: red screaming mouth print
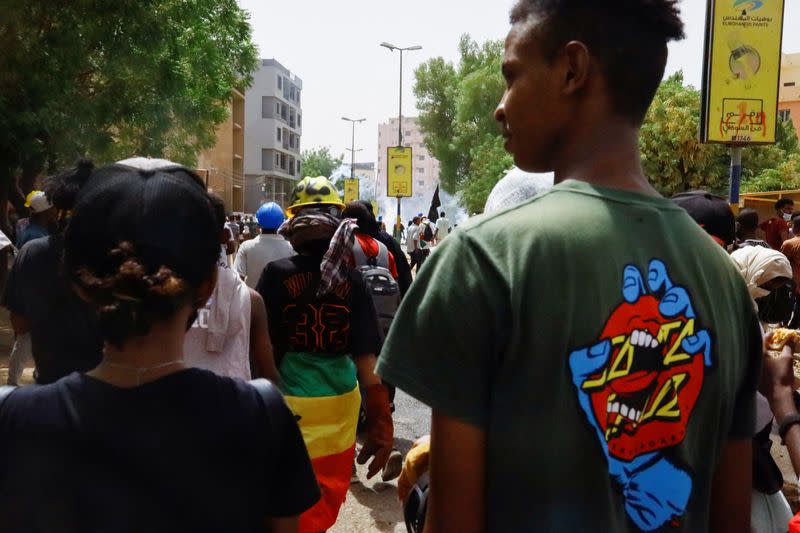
643, 397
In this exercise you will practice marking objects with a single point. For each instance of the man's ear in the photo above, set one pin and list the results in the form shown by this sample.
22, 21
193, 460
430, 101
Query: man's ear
206, 289
577, 65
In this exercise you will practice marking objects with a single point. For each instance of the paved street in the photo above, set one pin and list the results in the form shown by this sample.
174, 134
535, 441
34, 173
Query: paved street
372, 506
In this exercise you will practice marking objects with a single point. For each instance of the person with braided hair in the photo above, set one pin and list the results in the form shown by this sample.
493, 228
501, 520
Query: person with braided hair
325, 334
144, 442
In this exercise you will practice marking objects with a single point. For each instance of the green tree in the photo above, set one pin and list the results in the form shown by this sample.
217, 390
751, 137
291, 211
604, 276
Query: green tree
320, 162
675, 160
457, 104
113, 79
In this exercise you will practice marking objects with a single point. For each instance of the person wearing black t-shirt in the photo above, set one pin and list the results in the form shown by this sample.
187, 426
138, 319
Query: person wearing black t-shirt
325, 333
142, 442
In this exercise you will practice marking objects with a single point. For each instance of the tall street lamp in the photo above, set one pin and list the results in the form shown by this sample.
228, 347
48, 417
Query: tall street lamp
353, 145
392, 48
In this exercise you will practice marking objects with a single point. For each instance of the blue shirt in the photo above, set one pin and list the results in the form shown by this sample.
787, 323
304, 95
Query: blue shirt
33, 231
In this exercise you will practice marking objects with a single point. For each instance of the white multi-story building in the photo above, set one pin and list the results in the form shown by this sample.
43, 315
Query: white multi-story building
274, 121
425, 171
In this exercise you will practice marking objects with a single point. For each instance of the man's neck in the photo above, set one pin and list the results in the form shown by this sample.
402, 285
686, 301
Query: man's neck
606, 156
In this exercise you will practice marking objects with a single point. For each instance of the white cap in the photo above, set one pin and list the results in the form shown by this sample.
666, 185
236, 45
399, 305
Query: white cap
38, 202
516, 187
148, 164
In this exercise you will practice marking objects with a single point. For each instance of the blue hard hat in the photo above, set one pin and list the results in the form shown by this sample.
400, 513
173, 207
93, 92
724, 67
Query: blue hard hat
270, 216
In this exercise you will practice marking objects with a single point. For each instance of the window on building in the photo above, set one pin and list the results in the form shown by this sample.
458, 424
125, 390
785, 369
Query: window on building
421, 183
420, 170
291, 93
784, 114
292, 117
266, 102
280, 82
421, 157
284, 162
277, 160
279, 134
284, 112
266, 160
299, 121
298, 167
789, 84
298, 96
408, 134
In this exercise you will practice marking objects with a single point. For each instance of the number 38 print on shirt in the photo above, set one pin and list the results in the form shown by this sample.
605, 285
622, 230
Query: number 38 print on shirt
638, 385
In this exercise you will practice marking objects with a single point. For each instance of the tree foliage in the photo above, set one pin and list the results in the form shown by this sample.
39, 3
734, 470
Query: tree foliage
112, 79
320, 162
675, 160
457, 104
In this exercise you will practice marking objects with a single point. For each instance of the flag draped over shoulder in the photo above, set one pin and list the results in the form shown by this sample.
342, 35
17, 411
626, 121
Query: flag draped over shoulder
322, 392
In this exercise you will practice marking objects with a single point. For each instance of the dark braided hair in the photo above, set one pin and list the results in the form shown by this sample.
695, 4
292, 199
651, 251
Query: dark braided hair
139, 246
627, 37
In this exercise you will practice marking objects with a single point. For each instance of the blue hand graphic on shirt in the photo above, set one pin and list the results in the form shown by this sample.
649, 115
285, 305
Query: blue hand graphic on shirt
654, 490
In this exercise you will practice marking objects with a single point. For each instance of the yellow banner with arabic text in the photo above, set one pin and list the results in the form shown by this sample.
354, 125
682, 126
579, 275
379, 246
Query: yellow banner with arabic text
399, 177
351, 190
742, 71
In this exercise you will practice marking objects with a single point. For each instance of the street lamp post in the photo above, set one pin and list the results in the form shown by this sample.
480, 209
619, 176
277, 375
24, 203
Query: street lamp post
353, 145
392, 48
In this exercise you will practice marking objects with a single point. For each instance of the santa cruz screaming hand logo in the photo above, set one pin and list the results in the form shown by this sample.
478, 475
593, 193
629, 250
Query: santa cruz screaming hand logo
638, 385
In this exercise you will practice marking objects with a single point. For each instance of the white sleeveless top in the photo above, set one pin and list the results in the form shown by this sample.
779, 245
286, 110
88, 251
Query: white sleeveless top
219, 340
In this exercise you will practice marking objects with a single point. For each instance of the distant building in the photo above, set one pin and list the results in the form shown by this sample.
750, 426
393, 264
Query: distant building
272, 142
222, 166
425, 171
789, 95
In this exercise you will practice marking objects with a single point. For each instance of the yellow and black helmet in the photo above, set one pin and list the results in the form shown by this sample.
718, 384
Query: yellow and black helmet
312, 192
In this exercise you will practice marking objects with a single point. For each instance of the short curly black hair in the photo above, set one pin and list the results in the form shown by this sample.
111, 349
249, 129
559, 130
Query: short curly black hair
628, 37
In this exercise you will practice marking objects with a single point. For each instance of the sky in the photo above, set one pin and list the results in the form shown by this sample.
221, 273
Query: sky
333, 46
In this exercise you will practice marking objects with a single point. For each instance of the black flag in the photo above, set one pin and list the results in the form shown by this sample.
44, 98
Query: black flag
433, 212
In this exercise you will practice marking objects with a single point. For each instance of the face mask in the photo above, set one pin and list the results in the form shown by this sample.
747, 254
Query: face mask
777, 306
787, 217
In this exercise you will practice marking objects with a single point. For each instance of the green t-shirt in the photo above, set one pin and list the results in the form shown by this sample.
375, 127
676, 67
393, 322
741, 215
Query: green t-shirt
605, 343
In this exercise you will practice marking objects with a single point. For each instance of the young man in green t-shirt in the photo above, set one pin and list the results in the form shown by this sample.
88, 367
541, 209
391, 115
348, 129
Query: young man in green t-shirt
603, 379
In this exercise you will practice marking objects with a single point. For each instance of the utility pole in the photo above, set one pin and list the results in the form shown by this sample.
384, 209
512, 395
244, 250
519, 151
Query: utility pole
353, 145
399, 121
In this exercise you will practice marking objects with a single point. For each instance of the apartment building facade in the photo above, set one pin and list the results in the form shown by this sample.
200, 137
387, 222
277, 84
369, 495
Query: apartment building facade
426, 167
789, 93
222, 166
273, 112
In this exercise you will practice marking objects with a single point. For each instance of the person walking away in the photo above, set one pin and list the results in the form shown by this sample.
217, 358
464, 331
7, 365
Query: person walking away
442, 228
412, 243
427, 232
712, 213
582, 361
791, 249
395, 247
154, 445
233, 227
230, 334
42, 221
324, 328
768, 276
256, 254
747, 229
62, 329
776, 229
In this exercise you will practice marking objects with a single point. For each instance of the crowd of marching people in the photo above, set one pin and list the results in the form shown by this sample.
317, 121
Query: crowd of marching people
197, 371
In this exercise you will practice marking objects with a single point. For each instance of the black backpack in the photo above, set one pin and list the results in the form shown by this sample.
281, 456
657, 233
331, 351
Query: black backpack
382, 287
427, 234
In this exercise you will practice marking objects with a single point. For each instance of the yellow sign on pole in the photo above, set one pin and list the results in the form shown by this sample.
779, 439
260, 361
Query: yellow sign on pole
742, 71
399, 161
351, 190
